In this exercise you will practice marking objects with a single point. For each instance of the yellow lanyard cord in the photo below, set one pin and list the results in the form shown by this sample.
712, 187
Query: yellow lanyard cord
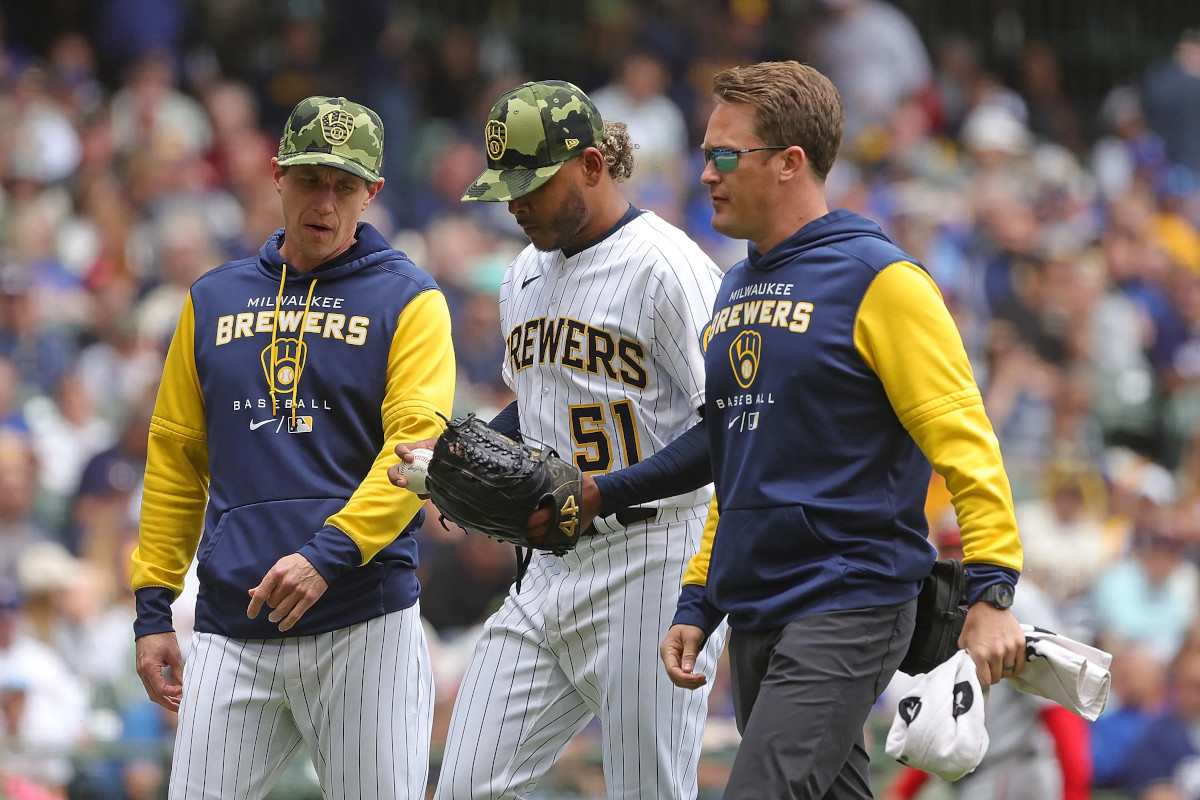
274, 334
300, 359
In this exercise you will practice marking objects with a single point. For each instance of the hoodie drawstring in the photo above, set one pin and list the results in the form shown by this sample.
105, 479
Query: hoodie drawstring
300, 348
274, 335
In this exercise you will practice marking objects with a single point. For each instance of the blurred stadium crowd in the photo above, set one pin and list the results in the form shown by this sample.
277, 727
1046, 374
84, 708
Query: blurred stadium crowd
134, 157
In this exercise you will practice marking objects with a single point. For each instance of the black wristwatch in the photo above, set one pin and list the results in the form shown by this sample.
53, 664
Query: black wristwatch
998, 594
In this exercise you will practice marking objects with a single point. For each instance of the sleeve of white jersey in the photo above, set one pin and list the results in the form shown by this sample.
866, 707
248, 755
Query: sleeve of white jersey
505, 367
685, 286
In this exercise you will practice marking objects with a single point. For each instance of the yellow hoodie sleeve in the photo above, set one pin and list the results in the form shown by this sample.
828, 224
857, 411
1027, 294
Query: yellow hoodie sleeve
176, 484
697, 568
420, 385
906, 335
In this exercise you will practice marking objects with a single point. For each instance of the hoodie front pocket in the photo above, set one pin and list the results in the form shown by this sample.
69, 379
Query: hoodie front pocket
249, 539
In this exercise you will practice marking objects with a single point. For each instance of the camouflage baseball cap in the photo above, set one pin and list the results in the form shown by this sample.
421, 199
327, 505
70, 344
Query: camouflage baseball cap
530, 132
334, 132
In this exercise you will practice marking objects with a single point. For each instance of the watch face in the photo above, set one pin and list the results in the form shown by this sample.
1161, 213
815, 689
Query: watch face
1000, 595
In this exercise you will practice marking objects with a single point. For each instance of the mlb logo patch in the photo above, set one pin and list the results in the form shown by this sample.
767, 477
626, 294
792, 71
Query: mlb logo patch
299, 424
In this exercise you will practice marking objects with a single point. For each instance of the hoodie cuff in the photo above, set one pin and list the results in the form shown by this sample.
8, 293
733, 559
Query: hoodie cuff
982, 576
153, 611
332, 552
693, 608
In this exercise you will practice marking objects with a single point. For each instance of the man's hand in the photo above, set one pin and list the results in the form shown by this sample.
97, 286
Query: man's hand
156, 652
289, 588
540, 520
994, 640
404, 451
678, 651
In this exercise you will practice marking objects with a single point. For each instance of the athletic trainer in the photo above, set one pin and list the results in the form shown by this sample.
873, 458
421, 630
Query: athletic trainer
291, 377
835, 377
602, 314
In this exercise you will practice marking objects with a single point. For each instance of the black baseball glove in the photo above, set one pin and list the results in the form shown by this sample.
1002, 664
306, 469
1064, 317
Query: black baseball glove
481, 479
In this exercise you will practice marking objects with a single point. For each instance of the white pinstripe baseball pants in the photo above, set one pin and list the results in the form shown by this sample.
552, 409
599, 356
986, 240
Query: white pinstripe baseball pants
581, 641
359, 697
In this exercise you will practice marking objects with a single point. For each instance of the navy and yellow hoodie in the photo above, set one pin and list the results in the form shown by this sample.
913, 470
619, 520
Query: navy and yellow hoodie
835, 375
284, 424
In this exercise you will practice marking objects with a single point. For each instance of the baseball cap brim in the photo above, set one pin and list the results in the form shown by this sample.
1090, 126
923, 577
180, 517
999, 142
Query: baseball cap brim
330, 160
502, 185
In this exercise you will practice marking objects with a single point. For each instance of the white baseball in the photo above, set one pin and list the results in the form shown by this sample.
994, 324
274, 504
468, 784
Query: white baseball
415, 472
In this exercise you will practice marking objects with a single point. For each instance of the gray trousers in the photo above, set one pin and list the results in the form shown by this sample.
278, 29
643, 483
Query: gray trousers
801, 695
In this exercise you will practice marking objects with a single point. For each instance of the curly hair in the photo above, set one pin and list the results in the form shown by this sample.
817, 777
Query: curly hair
617, 149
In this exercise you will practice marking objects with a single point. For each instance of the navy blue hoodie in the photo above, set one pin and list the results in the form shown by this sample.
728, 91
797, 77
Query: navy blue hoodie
287, 423
827, 386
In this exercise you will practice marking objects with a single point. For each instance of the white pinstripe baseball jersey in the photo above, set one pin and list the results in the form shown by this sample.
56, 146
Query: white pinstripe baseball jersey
603, 352
603, 347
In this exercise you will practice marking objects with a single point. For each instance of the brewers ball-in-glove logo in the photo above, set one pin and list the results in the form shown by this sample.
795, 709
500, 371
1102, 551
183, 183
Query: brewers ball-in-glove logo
495, 135
283, 361
336, 126
745, 354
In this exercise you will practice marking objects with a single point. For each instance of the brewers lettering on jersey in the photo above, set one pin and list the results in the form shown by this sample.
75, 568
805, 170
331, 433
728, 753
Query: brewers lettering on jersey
602, 316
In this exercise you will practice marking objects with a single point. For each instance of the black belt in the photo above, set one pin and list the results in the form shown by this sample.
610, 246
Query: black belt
632, 516
626, 517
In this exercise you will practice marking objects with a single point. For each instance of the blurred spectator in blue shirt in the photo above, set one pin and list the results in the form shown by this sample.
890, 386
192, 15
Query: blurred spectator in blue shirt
873, 54
1171, 99
1151, 595
1165, 762
18, 492
106, 488
41, 355
637, 96
1128, 153
1138, 697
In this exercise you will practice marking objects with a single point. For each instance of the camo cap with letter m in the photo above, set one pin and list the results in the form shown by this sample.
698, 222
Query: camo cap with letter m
531, 131
334, 132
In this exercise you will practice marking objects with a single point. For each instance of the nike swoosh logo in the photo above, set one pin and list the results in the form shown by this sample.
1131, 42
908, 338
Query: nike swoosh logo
735, 421
256, 425
528, 281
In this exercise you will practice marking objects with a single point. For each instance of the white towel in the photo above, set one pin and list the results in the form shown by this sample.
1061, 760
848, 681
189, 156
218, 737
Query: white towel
1061, 669
939, 722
